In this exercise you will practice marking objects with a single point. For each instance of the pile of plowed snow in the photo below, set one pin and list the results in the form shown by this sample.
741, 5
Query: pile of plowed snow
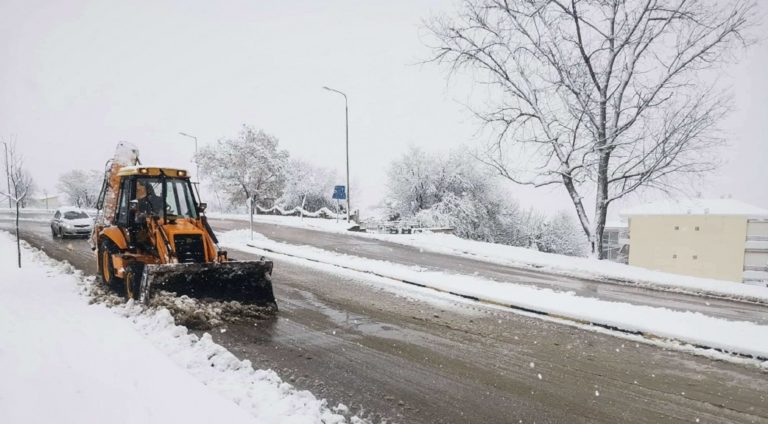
195, 314
205, 314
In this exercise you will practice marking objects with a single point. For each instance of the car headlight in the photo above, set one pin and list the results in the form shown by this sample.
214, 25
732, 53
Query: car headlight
67, 225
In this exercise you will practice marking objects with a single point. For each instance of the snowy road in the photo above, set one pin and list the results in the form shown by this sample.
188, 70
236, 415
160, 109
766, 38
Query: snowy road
407, 255
409, 359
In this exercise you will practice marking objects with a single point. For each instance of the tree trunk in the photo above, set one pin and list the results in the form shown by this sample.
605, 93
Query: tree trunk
18, 241
601, 205
579, 205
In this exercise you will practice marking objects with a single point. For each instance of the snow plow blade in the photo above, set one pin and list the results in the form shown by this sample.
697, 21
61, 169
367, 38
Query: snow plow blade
248, 282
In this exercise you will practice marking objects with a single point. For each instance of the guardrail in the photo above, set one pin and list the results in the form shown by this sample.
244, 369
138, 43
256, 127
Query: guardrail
299, 211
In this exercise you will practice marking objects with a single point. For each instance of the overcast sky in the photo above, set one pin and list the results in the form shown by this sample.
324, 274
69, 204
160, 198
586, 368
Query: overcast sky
78, 76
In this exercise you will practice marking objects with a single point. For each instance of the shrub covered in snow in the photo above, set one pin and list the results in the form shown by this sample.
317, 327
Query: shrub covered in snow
433, 190
560, 234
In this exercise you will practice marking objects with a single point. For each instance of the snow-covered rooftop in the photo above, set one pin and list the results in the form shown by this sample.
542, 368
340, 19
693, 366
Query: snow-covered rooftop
697, 207
616, 223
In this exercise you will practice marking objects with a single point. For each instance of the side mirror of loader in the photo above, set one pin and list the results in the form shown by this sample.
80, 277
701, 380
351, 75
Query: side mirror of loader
133, 205
202, 207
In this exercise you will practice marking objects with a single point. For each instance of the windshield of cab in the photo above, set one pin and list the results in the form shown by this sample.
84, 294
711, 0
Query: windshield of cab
178, 201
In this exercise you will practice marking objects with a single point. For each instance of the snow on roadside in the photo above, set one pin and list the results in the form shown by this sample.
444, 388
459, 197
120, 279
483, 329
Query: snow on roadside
531, 259
320, 224
739, 337
90, 363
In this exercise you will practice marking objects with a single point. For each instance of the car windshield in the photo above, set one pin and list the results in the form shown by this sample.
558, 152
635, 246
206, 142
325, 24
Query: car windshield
179, 201
75, 215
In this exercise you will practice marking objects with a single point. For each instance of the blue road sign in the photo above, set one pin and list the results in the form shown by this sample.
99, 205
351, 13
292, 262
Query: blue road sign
340, 192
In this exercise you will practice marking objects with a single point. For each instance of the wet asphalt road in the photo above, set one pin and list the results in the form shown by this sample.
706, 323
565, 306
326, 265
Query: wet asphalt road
407, 255
398, 358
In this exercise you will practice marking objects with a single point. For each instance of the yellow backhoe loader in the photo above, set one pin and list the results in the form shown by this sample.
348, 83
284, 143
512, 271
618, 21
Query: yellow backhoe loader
151, 234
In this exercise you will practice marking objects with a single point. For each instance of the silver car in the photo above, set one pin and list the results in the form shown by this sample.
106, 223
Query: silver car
73, 222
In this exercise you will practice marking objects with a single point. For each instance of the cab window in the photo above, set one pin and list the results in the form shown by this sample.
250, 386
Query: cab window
179, 199
123, 203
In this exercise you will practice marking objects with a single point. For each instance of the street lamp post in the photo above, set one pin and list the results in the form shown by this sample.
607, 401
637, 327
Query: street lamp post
197, 166
346, 123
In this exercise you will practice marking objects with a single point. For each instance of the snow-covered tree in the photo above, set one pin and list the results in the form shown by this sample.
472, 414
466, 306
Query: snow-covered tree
418, 180
412, 182
250, 165
598, 97
309, 185
434, 190
81, 187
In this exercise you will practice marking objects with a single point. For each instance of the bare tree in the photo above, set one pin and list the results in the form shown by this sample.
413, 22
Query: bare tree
600, 97
21, 185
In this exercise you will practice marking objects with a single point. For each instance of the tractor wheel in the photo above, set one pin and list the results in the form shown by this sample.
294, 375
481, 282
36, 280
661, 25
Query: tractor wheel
106, 269
133, 273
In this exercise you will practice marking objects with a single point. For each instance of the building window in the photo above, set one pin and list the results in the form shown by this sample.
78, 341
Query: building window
697, 228
677, 227
674, 256
695, 257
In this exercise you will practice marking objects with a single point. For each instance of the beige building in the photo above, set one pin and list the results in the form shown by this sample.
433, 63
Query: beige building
719, 238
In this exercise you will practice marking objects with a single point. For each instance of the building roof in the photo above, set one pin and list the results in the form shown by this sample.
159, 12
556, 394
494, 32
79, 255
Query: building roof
616, 223
729, 207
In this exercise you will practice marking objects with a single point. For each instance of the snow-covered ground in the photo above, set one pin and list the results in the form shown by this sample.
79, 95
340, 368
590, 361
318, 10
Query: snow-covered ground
531, 259
744, 338
320, 224
65, 361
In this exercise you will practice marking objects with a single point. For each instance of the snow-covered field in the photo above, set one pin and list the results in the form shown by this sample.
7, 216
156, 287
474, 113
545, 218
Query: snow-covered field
527, 258
64, 360
743, 338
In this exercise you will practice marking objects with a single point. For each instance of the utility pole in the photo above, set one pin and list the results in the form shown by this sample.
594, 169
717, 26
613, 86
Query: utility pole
346, 123
7, 174
197, 166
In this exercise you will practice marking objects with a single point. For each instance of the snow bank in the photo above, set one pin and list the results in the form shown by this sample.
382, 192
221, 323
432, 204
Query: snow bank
519, 257
321, 224
743, 338
579, 267
62, 360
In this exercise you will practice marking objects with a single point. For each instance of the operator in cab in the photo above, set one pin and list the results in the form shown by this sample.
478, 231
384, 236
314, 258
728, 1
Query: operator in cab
149, 202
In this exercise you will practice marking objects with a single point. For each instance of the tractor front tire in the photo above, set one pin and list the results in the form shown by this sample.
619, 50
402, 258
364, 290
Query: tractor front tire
107, 269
